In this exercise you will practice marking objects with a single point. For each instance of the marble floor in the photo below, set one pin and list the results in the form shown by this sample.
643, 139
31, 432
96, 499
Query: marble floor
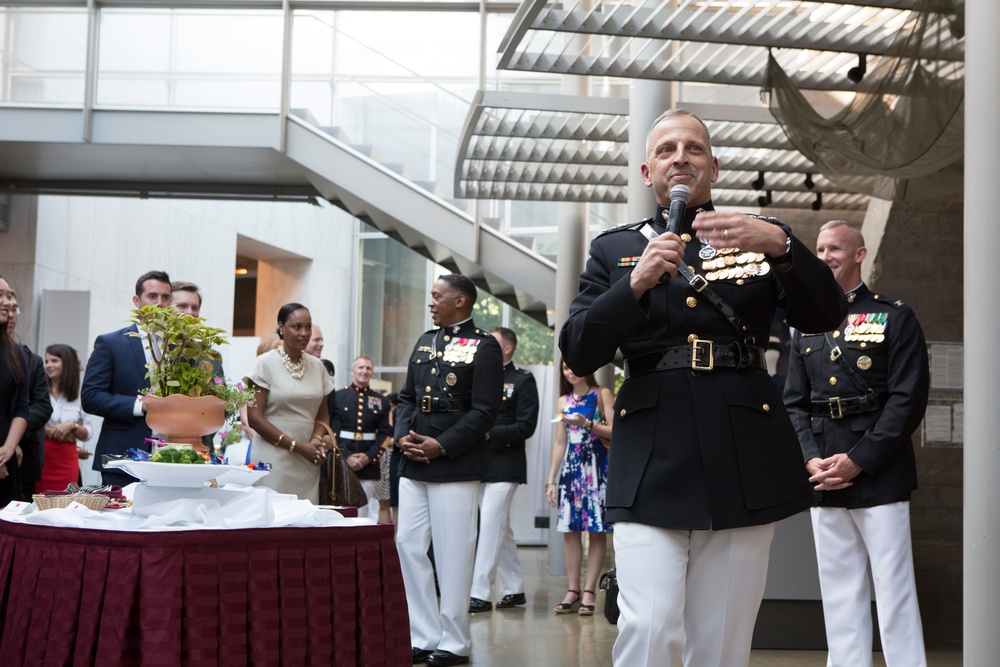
534, 636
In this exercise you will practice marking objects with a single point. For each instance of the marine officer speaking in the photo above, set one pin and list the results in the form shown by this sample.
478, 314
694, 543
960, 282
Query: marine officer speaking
856, 394
446, 407
705, 456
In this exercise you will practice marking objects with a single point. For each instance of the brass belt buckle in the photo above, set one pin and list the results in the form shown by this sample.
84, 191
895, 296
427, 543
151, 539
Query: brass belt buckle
698, 346
836, 409
425, 403
359, 436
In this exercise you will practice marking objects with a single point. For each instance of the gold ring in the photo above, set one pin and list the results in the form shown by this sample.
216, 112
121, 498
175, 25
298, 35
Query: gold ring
725, 234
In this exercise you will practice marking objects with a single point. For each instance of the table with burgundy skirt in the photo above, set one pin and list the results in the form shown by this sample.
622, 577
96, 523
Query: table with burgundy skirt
262, 596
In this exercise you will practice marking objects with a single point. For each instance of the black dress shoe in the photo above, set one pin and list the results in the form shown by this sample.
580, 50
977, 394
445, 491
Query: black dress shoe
447, 658
420, 655
475, 604
512, 600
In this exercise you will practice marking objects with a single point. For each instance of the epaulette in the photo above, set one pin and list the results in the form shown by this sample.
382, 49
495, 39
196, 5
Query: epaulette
626, 226
896, 303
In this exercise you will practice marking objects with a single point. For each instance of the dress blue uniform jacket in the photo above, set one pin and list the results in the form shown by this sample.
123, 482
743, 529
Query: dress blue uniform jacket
361, 411
890, 355
460, 362
515, 424
696, 449
116, 373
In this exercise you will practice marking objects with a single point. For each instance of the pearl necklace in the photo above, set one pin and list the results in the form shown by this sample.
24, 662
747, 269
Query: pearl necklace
296, 370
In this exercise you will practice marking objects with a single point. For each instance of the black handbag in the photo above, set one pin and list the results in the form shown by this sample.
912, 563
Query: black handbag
609, 584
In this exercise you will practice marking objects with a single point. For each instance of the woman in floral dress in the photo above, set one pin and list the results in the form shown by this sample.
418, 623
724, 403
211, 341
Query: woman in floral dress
578, 477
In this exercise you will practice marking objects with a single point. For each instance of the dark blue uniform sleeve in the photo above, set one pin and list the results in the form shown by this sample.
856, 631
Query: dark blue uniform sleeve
909, 385
525, 416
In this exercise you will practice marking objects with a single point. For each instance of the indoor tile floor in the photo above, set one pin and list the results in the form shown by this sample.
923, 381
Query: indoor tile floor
535, 636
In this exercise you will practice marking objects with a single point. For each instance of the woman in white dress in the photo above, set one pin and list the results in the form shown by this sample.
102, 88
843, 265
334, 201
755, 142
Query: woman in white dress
291, 398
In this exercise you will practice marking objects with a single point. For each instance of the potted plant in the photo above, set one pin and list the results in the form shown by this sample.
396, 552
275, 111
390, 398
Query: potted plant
187, 397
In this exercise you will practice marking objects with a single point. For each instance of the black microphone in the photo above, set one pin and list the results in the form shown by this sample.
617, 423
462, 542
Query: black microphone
680, 195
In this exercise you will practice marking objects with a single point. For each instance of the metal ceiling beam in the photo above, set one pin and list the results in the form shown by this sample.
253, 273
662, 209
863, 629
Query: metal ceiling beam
798, 28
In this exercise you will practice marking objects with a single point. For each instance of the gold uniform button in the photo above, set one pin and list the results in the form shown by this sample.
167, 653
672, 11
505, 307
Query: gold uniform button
427, 389
808, 350
833, 380
434, 371
864, 344
692, 338
686, 237
691, 302
740, 281
766, 407
447, 338
622, 413
836, 334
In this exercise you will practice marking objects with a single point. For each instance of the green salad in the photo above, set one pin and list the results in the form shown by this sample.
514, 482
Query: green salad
177, 455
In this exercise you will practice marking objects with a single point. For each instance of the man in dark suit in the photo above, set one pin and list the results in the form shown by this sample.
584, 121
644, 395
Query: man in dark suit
856, 394
185, 297
39, 411
359, 416
705, 458
115, 376
447, 405
496, 551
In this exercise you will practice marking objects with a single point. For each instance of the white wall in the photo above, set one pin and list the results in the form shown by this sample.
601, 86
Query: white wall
102, 245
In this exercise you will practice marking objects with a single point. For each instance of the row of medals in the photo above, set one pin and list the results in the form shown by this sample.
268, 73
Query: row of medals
731, 263
865, 327
458, 353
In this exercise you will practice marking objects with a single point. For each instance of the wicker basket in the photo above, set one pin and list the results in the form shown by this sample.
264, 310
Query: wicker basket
94, 501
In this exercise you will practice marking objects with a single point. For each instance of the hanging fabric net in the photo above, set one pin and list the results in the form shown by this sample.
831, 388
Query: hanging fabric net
903, 131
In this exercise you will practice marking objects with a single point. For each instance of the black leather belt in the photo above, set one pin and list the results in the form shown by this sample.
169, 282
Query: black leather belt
840, 406
700, 355
436, 404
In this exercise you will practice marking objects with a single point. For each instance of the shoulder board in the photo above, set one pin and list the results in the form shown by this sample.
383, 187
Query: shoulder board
626, 226
896, 303
523, 371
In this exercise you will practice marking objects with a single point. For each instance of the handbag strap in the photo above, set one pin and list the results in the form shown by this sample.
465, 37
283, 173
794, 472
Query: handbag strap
329, 432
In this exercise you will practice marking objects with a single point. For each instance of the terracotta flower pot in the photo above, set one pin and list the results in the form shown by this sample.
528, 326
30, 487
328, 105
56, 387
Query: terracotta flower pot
182, 419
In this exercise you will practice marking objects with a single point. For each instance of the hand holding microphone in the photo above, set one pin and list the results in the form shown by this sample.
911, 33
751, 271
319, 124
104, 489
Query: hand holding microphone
662, 255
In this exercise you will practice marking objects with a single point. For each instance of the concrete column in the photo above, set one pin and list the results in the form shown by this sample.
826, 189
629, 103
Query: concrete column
647, 100
982, 321
572, 240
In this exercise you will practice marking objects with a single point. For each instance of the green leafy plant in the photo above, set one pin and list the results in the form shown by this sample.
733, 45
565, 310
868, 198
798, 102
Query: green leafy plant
184, 364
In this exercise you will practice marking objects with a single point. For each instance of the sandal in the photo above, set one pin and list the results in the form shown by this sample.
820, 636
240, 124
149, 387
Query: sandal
568, 607
587, 609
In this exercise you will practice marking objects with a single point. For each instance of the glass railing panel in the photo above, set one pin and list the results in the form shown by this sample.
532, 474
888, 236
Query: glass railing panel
43, 55
198, 59
372, 76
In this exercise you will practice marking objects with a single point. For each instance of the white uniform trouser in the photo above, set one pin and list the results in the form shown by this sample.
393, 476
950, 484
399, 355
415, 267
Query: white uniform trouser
496, 554
371, 509
846, 542
446, 513
688, 594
